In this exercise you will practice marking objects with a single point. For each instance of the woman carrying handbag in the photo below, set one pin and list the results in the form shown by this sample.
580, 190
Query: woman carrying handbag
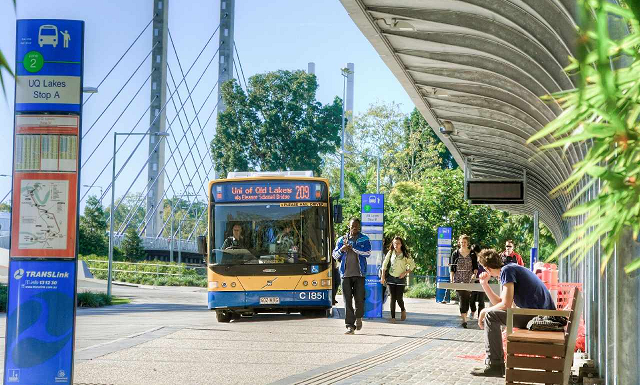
396, 266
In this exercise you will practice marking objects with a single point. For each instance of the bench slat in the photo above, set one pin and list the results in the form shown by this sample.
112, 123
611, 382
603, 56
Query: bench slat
524, 335
556, 364
535, 349
534, 375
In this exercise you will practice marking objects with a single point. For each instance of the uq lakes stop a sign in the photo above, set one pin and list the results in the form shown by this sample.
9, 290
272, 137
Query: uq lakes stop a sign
46, 169
48, 68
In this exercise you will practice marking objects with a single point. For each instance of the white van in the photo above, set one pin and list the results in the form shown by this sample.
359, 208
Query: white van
48, 34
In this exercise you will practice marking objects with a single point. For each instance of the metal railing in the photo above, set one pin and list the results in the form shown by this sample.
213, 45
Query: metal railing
151, 243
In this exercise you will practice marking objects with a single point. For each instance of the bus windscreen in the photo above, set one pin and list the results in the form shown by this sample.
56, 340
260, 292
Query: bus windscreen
269, 233
269, 191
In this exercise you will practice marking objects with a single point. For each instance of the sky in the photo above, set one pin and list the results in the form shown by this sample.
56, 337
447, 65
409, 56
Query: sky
269, 35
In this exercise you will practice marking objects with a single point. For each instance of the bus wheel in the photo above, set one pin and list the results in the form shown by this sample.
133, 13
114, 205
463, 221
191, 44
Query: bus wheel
222, 316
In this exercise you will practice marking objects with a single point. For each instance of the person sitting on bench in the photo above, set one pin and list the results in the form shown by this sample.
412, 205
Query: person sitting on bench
520, 286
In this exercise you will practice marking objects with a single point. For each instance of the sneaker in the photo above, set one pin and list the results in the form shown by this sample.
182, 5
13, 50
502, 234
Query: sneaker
349, 330
392, 320
403, 315
489, 371
358, 323
471, 315
464, 325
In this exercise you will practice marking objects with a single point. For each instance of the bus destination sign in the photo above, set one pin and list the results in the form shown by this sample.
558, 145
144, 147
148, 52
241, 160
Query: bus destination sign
268, 191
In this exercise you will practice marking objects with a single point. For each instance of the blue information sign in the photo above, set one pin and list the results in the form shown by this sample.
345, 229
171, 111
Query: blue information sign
443, 253
40, 317
373, 227
49, 65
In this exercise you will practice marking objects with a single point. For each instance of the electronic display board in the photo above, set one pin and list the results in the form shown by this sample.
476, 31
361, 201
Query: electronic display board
269, 191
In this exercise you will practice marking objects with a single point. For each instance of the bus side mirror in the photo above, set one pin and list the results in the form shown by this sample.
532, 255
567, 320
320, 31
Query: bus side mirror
202, 245
337, 214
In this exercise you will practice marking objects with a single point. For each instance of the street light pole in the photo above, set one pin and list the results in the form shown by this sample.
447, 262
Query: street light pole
113, 196
345, 73
93, 186
378, 175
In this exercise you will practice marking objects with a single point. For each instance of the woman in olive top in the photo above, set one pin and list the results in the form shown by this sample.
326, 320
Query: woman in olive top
396, 266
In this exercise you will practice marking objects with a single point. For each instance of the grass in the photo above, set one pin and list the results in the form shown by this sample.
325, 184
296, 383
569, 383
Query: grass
421, 290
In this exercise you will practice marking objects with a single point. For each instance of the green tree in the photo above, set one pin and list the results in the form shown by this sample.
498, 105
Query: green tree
92, 229
276, 125
132, 246
421, 145
5, 208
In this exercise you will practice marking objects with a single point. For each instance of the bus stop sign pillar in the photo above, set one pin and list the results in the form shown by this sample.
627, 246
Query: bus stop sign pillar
443, 253
373, 227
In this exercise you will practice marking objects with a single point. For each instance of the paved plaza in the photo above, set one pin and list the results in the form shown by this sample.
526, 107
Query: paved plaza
167, 336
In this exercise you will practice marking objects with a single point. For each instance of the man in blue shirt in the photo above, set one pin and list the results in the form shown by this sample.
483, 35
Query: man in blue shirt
352, 251
519, 286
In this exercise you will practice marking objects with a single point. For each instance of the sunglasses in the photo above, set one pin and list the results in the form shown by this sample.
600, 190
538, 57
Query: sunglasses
509, 246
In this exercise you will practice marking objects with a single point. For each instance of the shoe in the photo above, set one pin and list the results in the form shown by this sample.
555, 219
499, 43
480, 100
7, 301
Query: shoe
349, 330
489, 371
471, 315
358, 323
392, 320
403, 315
464, 325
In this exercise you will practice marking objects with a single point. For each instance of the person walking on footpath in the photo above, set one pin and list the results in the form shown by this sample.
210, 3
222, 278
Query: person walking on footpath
477, 297
509, 254
464, 265
396, 266
520, 286
352, 251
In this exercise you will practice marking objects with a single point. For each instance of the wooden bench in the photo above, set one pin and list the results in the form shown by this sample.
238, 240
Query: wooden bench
553, 350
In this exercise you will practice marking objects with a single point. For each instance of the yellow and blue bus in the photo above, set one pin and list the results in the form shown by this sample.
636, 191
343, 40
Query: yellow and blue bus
269, 244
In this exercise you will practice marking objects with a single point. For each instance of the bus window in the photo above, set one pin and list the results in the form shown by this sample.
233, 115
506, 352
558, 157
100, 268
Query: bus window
255, 233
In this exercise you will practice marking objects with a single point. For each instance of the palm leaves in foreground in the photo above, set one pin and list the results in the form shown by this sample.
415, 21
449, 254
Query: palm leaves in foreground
602, 114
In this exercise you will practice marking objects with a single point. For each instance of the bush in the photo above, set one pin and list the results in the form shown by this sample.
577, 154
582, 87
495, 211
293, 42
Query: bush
3, 298
90, 299
421, 290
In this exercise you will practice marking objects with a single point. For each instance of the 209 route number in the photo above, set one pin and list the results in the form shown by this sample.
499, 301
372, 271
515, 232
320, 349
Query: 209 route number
313, 295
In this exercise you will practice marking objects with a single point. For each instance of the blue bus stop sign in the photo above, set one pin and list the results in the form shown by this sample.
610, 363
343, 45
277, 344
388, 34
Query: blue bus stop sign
49, 65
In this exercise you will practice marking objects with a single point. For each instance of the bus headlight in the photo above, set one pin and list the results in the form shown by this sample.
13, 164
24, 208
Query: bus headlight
305, 283
325, 282
213, 285
233, 284
314, 283
224, 284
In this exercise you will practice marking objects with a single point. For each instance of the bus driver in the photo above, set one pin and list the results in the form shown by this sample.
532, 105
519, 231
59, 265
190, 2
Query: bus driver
236, 240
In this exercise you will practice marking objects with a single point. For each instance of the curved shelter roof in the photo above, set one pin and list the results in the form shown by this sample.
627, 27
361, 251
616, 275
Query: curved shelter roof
483, 65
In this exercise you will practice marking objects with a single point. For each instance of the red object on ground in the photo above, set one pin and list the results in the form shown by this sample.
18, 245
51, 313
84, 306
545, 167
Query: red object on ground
581, 339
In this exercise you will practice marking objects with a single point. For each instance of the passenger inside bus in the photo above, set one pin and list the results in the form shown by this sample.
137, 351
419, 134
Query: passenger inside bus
285, 242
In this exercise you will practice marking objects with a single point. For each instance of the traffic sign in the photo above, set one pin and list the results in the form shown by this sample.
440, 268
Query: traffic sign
49, 65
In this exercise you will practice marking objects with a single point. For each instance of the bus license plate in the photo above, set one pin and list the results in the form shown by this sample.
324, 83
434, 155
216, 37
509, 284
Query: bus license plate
269, 300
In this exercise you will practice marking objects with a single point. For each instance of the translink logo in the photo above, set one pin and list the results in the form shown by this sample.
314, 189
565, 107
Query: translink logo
47, 274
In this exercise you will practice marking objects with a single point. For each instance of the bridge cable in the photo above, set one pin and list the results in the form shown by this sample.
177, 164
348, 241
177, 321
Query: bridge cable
106, 191
84, 134
187, 87
169, 129
162, 109
121, 57
154, 181
118, 119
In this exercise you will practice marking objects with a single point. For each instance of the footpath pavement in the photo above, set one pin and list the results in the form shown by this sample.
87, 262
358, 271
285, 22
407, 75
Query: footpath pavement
166, 335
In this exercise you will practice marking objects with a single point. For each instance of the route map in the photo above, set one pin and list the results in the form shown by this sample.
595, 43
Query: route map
43, 214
